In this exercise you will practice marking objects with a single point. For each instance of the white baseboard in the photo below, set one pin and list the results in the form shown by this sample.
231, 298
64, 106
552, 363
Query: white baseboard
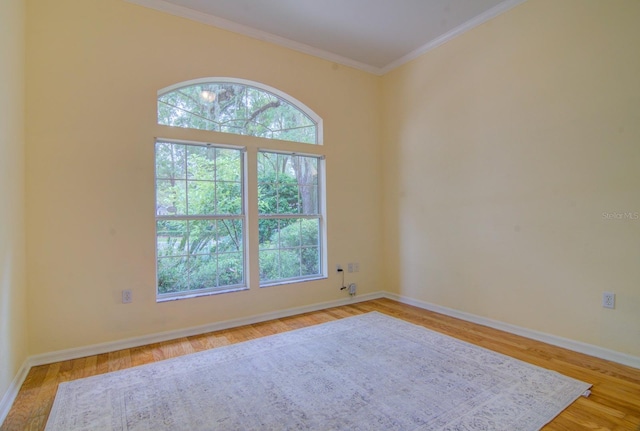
96, 349
11, 393
576, 346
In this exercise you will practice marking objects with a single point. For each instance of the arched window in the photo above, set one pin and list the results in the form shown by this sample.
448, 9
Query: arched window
239, 107
202, 244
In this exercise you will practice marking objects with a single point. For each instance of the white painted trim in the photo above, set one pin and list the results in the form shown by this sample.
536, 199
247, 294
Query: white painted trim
222, 23
225, 24
62, 355
576, 346
12, 392
452, 34
96, 349
111, 346
259, 86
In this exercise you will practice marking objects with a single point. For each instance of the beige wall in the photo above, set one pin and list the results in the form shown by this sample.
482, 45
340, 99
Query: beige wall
504, 148
93, 70
501, 150
13, 316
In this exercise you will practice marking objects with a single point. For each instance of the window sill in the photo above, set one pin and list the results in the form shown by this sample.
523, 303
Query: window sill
292, 281
188, 295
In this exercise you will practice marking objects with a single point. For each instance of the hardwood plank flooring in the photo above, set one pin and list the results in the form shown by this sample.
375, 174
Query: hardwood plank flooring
614, 403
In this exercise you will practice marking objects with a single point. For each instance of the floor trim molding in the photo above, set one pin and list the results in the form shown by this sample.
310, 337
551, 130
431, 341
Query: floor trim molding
12, 392
566, 343
96, 349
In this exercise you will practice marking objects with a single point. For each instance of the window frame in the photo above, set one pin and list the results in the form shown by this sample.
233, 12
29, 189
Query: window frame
171, 296
320, 216
251, 146
258, 86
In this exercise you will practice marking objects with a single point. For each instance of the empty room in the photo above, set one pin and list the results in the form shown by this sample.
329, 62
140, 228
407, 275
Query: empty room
319, 215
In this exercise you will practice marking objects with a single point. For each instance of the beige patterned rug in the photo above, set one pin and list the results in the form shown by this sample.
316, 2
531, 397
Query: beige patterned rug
369, 372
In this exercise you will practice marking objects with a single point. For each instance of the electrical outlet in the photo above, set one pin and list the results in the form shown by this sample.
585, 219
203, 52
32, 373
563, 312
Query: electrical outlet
127, 296
352, 289
356, 267
608, 300
350, 267
338, 268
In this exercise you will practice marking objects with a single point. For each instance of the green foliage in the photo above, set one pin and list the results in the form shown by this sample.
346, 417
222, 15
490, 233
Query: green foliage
235, 108
292, 251
202, 253
198, 253
197, 180
276, 197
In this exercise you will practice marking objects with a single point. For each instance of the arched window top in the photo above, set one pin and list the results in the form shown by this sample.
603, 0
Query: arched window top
240, 107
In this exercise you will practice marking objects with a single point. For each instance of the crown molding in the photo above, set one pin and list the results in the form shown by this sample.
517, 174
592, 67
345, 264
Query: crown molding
204, 18
452, 34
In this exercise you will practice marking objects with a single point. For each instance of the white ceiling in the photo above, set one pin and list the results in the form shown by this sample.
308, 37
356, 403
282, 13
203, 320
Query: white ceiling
372, 35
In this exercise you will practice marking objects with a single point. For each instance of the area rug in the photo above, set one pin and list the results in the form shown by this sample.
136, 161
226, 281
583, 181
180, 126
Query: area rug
368, 372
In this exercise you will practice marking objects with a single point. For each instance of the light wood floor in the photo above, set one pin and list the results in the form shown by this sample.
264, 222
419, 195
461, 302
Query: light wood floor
614, 403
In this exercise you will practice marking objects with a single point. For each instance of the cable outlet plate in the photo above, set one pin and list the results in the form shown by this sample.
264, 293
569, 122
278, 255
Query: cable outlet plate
127, 296
608, 300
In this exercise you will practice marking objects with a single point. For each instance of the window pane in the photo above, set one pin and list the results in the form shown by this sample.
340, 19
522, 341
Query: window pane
290, 263
288, 201
290, 235
172, 273
267, 167
171, 197
202, 236
170, 161
302, 134
228, 198
202, 272
236, 108
307, 168
309, 200
310, 232
310, 264
230, 269
207, 251
289, 248
201, 162
228, 165
269, 265
269, 235
202, 198
171, 237
229, 237
287, 184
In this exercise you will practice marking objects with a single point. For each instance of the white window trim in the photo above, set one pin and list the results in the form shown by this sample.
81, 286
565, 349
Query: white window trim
252, 243
260, 86
321, 217
173, 296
